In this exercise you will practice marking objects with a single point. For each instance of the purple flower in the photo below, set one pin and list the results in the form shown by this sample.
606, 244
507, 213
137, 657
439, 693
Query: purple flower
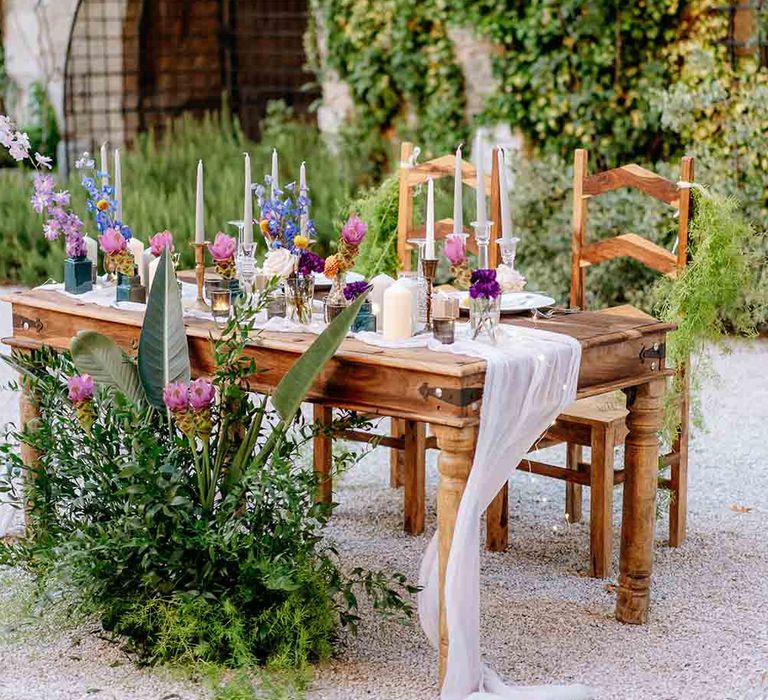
484, 285
176, 396
201, 394
75, 246
52, 229
160, 241
310, 262
112, 241
454, 249
222, 248
80, 388
354, 231
355, 289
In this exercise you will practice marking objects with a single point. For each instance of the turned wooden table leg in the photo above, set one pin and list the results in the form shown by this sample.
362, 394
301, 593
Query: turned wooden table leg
322, 456
29, 415
457, 449
639, 513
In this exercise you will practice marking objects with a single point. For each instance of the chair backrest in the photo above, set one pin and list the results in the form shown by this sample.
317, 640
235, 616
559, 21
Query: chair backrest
411, 176
585, 186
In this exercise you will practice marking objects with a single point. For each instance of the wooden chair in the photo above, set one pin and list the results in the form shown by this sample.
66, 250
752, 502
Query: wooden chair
408, 440
599, 422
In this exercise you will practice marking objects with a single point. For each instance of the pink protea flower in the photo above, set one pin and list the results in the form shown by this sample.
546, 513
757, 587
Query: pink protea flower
160, 241
112, 241
176, 396
222, 248
80, 388
454, 249
201, 394
354, 231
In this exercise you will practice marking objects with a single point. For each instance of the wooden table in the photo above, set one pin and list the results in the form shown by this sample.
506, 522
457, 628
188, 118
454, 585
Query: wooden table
442, 389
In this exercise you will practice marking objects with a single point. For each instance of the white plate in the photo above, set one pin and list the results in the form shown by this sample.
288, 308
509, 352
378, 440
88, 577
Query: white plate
514, 302
322, 282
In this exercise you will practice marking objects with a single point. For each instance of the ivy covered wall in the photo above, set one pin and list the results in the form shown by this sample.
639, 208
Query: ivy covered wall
568, 73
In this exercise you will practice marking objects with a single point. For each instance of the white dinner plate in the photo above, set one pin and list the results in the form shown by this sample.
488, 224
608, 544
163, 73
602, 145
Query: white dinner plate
322, 282
514, 302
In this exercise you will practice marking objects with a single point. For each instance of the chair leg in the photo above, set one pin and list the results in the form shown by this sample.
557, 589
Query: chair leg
601, 503
678, 508
414, 491
396, 457
573, 491
497, 522
322, 457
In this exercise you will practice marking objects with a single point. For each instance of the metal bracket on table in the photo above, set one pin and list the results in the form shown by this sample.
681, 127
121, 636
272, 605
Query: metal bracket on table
656, 353
26, 324
455, 397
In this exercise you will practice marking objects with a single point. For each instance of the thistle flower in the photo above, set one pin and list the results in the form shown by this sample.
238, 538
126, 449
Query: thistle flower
354, 231
222, 248
160, 241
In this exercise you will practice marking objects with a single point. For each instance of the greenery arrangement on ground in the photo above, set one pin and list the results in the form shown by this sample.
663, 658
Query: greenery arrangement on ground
194, 534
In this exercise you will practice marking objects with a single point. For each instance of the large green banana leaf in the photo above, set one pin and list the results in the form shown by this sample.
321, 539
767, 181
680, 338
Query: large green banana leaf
293, 387
163, 352
99, 356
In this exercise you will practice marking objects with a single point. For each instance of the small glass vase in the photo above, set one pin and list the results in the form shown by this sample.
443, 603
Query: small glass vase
299, 294
365, 320
78, 277
484, 316
335, 302
130, 288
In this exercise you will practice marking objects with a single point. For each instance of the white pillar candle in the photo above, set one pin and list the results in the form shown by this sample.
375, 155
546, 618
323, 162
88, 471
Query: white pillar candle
429, 248
303, 191
397, 309
379, 285
480, 216
146, 260
248, 205
458, 209
118, 185
199, 205
91, 250
274, 185
152, 271
506, 214
104, 163
137, 250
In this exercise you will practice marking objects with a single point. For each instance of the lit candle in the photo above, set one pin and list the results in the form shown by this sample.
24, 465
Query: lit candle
146, 260
199, 206
303, 191
429, 249
506, 214
458, 212
137, 251
397, 301
379, 285
118, 185
104, 163
480, 216
248, 205
273, 187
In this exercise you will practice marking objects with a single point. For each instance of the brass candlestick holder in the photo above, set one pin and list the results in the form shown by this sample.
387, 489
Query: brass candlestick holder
429, 268
199, 303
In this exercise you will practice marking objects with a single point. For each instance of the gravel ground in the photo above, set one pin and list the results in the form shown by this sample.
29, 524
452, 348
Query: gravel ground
543, 619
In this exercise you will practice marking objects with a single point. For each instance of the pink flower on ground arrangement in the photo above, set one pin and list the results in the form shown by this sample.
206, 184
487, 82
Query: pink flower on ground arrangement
160, 241
176, 396
454, 249
222, 248
201, 394
80, 388
354, 231
112, 242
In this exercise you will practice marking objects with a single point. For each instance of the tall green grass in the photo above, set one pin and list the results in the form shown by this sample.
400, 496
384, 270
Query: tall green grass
159, 186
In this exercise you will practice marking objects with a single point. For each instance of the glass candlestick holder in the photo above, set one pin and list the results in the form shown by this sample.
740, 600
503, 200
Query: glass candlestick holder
482, 238
421, 290
508, 250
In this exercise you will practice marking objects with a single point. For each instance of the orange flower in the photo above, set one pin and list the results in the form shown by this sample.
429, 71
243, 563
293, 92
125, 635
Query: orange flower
264, 226
331, 266
102, 205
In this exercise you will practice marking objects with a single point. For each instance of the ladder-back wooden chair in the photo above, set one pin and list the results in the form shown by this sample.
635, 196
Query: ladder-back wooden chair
408, 440
599, 422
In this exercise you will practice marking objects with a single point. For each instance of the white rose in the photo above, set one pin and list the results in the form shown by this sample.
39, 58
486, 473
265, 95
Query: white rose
279, 263
510, 279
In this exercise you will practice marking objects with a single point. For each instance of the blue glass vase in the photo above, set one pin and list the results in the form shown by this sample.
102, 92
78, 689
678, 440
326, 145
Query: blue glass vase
130, 288
365, 320
78, 275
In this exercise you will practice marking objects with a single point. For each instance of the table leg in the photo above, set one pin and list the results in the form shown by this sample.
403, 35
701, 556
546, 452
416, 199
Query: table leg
414, 492
457, 448
29, 415
639, 512
322, 456
497, 522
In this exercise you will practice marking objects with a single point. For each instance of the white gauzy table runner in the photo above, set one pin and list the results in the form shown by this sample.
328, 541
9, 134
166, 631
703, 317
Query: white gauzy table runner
531, 375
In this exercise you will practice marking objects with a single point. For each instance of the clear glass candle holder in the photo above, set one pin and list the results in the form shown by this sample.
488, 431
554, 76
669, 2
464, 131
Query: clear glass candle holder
221, 305
484, 317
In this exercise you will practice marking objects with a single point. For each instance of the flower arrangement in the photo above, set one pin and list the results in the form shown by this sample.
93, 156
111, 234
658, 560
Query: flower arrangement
281, 217
80, 393
484, 285
484, 303
222, 251
456, 253
102, 204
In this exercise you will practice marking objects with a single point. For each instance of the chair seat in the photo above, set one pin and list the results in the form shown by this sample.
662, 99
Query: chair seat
626, 310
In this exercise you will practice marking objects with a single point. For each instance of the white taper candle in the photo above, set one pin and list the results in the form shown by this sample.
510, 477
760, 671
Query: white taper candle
118, 185
248, 205
429, 248
274, 184
458, 209
506, 214
199, 205
104, 163
480, 216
